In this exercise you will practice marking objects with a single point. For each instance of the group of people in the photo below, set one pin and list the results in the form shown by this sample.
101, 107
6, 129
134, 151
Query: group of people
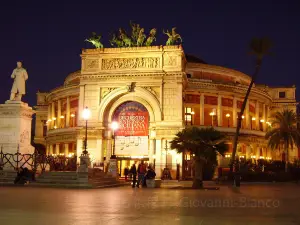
142, 173
23, 176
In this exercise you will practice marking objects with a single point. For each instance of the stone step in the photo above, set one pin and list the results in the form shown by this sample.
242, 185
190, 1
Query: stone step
103, 179
58, 177
46, 181
58, 174
59, 185
104, 183
55, 174
121, 184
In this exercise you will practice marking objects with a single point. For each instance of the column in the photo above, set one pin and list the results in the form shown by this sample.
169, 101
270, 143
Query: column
68, 112
51, 149
57, 149
53, 115
78, 147
264, 117
58, 113
158, 161
247, 116
109, 145
47, 149
257, 152
100, 150
150, 151
248, 152
234, 114
66, 149
201, 109
219, 111
49, 117
81, 103
268, 113
257, 115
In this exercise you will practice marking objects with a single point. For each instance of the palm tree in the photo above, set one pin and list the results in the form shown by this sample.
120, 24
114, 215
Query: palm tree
204, 143
284, 131
258, 47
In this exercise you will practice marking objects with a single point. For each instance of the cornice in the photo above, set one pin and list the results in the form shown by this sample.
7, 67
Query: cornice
231, 89
217, 69
130, 49
62, 92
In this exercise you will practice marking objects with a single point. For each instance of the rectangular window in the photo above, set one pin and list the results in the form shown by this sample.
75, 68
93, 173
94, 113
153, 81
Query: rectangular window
281, 94
188, 110
188, 116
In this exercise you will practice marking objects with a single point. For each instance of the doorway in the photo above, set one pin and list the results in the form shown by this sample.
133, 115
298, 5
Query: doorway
127, 162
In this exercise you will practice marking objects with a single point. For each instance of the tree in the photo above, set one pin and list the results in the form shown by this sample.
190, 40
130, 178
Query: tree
259, 47
284, 131
204, 143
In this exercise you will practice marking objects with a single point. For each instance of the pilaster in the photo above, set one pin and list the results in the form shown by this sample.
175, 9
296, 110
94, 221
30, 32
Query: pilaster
234, 112
201, 109
219, 111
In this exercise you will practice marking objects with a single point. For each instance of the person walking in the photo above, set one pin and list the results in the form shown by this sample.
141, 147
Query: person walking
133, 172
141, 173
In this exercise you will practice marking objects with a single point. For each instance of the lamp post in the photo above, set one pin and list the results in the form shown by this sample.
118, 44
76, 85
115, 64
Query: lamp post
114, 127
228, 116
86, 114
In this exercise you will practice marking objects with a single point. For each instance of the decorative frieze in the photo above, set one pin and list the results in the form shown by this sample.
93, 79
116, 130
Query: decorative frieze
91, 64
61, 138
131, 63
170, 60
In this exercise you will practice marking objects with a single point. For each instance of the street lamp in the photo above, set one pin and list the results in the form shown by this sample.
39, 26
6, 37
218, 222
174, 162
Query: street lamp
228, 116
114, 126
86, 114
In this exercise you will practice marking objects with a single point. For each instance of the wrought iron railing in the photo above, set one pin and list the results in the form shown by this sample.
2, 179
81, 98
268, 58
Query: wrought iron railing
37, 162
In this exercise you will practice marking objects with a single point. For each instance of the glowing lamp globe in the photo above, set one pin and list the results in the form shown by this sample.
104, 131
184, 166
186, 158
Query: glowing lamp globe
86, 114
114, 125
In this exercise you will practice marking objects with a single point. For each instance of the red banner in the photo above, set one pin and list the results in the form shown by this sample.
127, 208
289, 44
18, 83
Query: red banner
132, 118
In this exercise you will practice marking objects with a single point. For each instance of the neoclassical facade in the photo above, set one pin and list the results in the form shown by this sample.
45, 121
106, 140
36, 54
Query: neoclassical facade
153, 93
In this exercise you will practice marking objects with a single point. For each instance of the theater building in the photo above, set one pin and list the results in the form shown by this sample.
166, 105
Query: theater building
152, 93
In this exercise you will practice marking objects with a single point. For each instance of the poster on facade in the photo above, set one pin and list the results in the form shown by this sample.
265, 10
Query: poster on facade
133, 119
131, 146
132, 134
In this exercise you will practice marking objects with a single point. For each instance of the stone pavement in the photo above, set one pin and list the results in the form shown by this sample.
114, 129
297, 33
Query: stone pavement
254, 204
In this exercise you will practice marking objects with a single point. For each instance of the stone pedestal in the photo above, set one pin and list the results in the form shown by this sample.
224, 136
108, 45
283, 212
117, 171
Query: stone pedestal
15, 127
85, 163
113, 168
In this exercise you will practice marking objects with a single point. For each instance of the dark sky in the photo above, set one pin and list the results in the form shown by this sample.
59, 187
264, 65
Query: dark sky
48, 37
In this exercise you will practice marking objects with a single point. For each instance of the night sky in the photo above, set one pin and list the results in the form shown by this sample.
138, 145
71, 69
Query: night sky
48, 37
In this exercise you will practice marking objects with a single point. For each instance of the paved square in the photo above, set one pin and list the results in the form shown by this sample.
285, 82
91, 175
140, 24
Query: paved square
254, 204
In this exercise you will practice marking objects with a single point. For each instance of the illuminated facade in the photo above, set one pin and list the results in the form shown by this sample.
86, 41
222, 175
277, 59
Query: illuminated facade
153, 92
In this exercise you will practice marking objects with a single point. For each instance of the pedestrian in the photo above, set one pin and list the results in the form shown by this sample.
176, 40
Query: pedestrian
141, 173
133, 172
150, 175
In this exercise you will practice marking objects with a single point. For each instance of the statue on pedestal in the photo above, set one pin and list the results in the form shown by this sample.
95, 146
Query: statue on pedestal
20, 76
